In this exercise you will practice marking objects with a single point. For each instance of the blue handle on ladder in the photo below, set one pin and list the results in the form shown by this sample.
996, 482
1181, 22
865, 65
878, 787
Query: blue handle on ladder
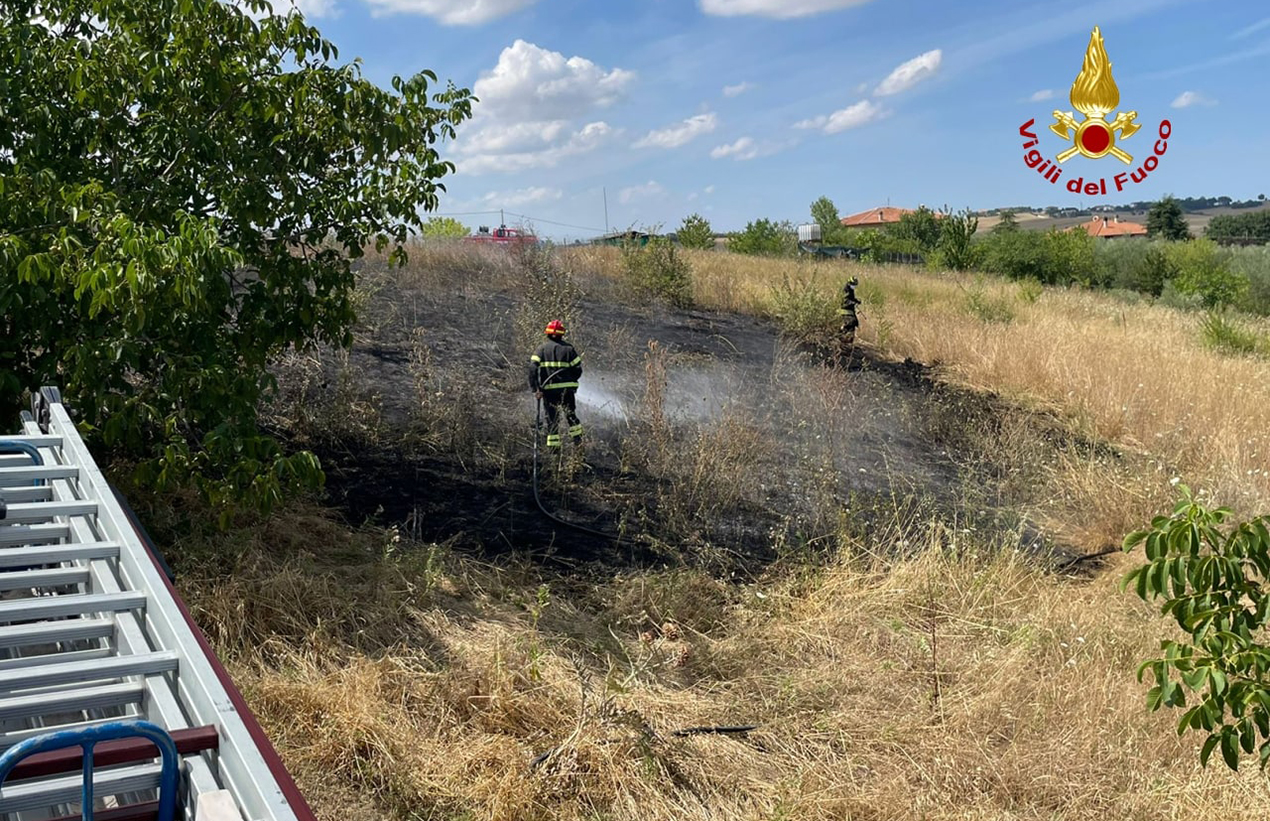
28, 449
87, 737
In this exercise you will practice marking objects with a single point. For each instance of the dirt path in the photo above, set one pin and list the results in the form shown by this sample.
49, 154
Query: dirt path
872, 431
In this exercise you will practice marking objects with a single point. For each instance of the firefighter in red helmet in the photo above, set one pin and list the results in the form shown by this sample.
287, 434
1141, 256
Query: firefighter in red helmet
554, 370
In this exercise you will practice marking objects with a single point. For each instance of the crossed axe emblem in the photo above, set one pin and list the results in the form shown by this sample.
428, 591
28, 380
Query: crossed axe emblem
1124, 123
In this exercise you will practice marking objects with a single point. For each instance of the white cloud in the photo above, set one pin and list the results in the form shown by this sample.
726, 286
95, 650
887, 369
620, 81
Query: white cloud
1043, 94
1189, 98
528, 110
778, 9
532, 83
592, 136
863, 87
738, 89
853, 116
680, 133
515, 137
635, 192
742, 149
746, 149
451, 12
709, 189
910, 73
521, 196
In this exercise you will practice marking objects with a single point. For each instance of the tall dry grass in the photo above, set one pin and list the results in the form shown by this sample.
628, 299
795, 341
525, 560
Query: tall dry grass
959, 684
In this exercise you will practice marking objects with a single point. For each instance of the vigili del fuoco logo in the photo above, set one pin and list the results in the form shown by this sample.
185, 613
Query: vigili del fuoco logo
1095, 95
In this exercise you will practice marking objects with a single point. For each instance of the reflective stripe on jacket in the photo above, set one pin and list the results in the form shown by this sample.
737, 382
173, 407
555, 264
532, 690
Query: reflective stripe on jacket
554, 366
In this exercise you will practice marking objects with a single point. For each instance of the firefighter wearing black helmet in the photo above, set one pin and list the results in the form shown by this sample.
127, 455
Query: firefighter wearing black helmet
554, 370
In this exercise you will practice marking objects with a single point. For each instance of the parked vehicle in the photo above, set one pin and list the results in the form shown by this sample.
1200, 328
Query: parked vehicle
502, 236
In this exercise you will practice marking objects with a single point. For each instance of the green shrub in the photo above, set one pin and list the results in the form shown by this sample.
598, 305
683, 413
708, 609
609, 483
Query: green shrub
1171, 297
1030, 290
803, 311
956, 249
989, 308
695, 232
766, 238
1212, 577
1222, 333
1052, 257
1253, 264
658, 270
1204, 270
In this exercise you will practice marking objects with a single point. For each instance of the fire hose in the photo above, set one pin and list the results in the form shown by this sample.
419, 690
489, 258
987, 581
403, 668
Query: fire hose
538, 499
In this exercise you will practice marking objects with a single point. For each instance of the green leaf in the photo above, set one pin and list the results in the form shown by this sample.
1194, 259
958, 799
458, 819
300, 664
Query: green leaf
1230, 748
1207, 749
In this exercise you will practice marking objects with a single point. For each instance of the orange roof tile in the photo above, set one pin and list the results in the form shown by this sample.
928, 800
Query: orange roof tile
1103, 227
884, 215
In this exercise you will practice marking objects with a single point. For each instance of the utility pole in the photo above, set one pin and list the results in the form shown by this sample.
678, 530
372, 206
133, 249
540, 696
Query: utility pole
501, 221
606, 209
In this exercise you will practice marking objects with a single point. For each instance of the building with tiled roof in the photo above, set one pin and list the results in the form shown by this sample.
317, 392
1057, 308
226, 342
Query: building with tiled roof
1111, 228
883, 215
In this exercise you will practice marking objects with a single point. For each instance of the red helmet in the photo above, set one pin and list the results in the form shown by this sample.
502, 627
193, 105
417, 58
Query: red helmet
555, 328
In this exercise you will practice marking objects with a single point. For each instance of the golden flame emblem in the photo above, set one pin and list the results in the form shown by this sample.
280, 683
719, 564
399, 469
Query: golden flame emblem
1095, 95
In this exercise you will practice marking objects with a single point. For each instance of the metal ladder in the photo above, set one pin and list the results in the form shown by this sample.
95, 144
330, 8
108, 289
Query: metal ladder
92, 633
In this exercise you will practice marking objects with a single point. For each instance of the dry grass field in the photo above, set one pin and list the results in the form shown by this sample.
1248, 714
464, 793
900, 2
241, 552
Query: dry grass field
918, 669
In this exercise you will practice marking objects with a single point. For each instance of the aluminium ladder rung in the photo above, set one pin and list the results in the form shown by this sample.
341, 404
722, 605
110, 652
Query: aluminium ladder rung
41, 794
32, 534
15, 737
27, 662
142, 664
43, 511
26, 635
39, 493
54, 554
82, 698
54, 607
21, 474
39, 579
33, 441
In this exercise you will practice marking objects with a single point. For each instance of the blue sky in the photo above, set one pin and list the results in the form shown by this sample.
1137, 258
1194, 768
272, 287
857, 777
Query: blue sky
741, 109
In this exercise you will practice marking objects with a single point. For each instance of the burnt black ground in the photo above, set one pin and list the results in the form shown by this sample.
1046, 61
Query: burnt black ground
899, 434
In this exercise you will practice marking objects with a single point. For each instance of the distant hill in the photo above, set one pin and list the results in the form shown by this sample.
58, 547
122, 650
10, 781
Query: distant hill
1198, 211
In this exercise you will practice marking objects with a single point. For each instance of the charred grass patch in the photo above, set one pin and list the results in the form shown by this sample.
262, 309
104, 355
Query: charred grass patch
845, 557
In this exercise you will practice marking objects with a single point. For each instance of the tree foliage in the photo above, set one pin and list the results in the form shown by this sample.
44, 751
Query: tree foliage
825, 214
1166, 221
765, 237
1007, 223
444, 228
1254, 226
1204, 269
695, 232
1213, 582
181, 190
955, 249
920, 227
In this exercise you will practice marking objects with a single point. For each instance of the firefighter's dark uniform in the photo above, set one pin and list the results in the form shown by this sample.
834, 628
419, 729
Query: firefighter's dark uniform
555, 369
849, 319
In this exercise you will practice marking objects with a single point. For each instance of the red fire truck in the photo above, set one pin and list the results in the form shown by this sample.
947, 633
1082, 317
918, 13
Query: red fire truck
502, 236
